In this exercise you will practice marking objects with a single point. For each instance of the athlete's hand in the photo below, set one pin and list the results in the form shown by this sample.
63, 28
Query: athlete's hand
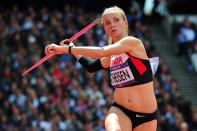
53, 48
65, 42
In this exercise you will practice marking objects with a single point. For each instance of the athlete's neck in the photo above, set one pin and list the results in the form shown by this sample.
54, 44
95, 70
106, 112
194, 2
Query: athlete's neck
116, 39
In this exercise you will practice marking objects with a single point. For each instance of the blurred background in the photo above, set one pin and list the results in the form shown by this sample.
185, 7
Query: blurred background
60, 94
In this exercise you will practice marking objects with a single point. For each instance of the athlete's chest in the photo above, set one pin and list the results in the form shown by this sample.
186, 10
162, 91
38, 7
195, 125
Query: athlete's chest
120, 72
118, 59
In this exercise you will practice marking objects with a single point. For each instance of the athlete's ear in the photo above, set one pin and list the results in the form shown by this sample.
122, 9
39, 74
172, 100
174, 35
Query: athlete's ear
127, 26
126, 22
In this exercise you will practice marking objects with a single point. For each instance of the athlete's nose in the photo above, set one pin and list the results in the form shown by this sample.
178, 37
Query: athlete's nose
112, 24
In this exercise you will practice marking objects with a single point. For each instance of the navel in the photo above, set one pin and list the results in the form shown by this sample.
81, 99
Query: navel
129, 101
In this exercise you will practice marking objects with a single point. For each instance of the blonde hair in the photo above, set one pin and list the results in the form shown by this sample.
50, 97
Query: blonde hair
118, 9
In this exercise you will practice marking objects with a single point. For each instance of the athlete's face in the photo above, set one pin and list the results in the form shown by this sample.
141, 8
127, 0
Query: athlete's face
115, 26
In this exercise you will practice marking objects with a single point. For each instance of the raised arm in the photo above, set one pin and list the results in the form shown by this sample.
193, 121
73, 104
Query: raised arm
126, 44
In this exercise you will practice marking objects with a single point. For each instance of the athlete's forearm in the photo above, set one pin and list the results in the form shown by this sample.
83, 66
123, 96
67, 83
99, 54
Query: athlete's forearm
91, 65
89, 51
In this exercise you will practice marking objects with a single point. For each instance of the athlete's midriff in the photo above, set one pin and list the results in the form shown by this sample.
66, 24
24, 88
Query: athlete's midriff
138, 98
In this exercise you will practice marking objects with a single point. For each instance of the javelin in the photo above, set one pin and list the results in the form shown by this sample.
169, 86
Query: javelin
69, 40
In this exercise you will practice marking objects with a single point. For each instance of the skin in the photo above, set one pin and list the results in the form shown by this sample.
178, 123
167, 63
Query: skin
138, 98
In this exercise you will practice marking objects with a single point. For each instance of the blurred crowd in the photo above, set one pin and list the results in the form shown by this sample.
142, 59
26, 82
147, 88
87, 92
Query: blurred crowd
60, 94
186, 34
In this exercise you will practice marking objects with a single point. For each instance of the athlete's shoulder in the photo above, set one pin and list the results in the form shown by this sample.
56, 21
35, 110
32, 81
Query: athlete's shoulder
132, 38
133, 41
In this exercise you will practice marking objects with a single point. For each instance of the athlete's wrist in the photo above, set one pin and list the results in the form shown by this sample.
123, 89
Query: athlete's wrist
63, 49
70, 49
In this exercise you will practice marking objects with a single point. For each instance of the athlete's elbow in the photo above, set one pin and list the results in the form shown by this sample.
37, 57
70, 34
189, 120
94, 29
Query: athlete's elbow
90, 69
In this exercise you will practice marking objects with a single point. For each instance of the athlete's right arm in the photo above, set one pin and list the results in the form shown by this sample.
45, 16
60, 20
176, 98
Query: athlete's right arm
93, 65
90, 64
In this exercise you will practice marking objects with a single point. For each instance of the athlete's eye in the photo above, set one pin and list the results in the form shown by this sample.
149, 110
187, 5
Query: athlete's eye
116, 20
107, 23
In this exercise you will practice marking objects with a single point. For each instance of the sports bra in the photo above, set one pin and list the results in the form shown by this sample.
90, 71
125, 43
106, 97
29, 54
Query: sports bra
126, 70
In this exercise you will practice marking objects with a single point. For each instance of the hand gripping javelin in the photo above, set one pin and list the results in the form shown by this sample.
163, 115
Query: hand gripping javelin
69, 40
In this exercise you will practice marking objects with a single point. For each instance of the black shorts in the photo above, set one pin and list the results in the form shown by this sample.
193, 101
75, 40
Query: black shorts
137, 118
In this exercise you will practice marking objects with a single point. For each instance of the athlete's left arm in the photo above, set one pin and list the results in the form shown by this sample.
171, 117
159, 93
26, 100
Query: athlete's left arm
126, 44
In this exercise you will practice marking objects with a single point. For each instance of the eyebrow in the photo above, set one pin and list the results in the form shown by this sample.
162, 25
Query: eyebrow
112, 18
